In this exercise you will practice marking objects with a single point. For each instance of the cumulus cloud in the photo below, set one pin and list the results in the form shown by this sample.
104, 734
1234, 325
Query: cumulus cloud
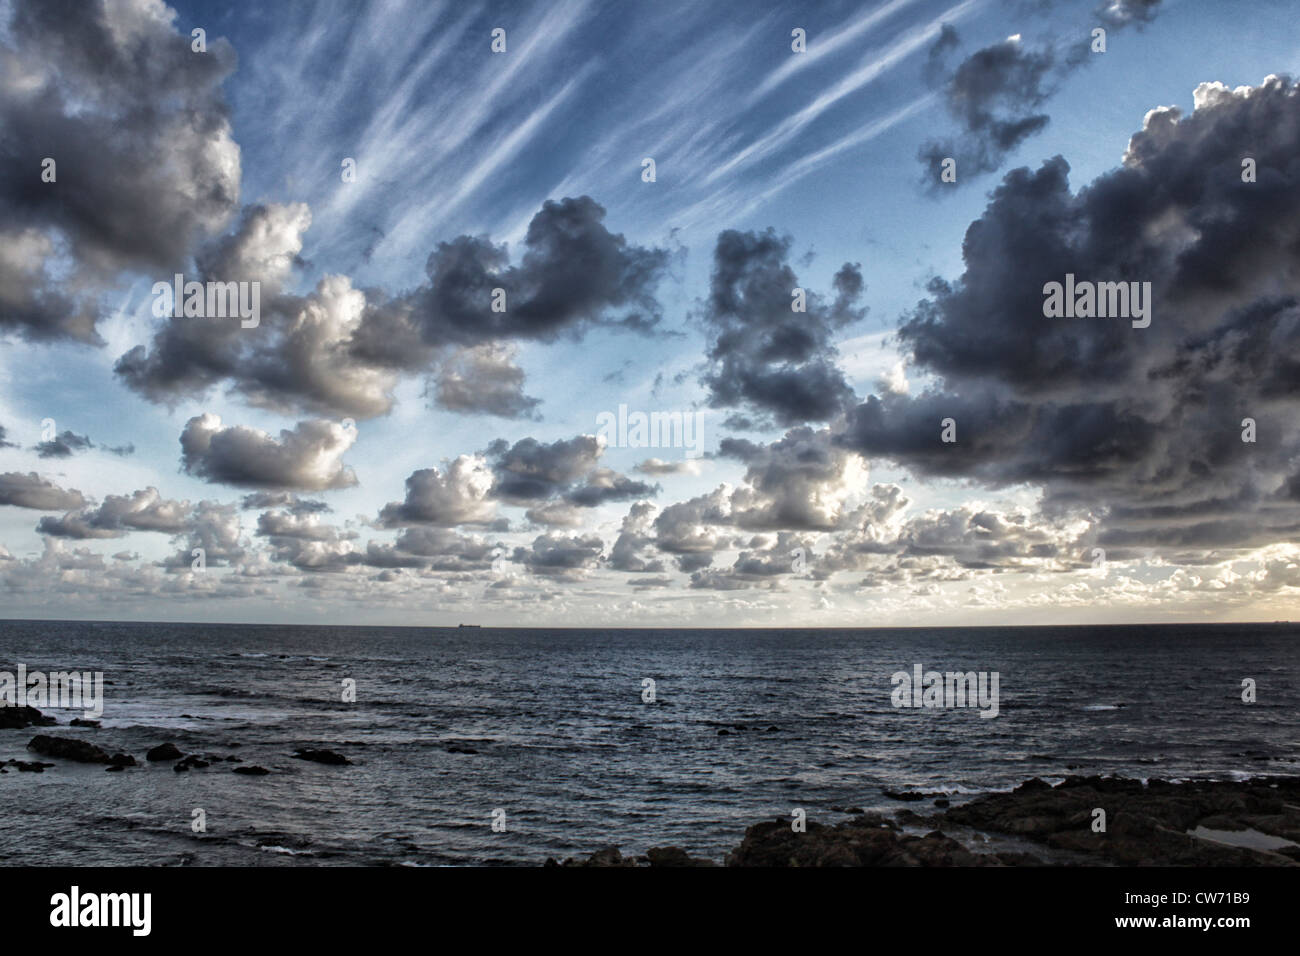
628, 552
458, 495
573, 272
308, 457
553, 555
33, 491
216, 530
1141, 428
764, 357
144, 510
342, 350
104, 89
483, 380
800, 482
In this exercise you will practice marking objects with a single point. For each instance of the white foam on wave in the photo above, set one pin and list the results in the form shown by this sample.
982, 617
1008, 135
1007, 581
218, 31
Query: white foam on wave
285, 850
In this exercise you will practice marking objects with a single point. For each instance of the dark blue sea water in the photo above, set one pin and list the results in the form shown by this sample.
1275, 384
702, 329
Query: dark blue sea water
566, 747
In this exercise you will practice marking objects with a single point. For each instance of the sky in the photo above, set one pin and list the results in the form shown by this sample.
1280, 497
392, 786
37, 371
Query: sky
650, 314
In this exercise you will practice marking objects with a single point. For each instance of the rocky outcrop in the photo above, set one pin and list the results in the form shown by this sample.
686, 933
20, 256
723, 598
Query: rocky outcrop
1146, 825
655, 856
16, 718
167, 751
1198, 823
79, 751
867, 840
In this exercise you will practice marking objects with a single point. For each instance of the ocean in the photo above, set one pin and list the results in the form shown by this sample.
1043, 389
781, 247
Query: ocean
546, 732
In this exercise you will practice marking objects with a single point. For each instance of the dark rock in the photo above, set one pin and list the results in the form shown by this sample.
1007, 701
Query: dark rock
252, 771
30, 766
16, 718
674, 856
82, 722
167, 751
609, 856
321, 756
849, 844
457, 749
942, 802
77, 750
903, 795
1146, 825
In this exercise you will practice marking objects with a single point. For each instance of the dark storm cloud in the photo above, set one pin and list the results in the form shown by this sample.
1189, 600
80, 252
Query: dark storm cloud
309, 457
995, 93
530, 471
144, 510
3, 443
33, 491
63, 445
68, 443
764, 356
573, 271
341, 350
105, 90
1140, 425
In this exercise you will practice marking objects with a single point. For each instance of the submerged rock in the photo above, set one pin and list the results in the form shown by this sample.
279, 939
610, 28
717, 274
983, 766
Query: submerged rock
28, 766
252, 771
905, 795
321, 756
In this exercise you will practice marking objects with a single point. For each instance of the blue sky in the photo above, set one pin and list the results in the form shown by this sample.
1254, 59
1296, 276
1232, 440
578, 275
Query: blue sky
451, 139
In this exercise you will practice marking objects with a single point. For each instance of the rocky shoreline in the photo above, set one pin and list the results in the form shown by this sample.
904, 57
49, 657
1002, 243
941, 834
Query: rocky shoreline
1157, 823
1080, 820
